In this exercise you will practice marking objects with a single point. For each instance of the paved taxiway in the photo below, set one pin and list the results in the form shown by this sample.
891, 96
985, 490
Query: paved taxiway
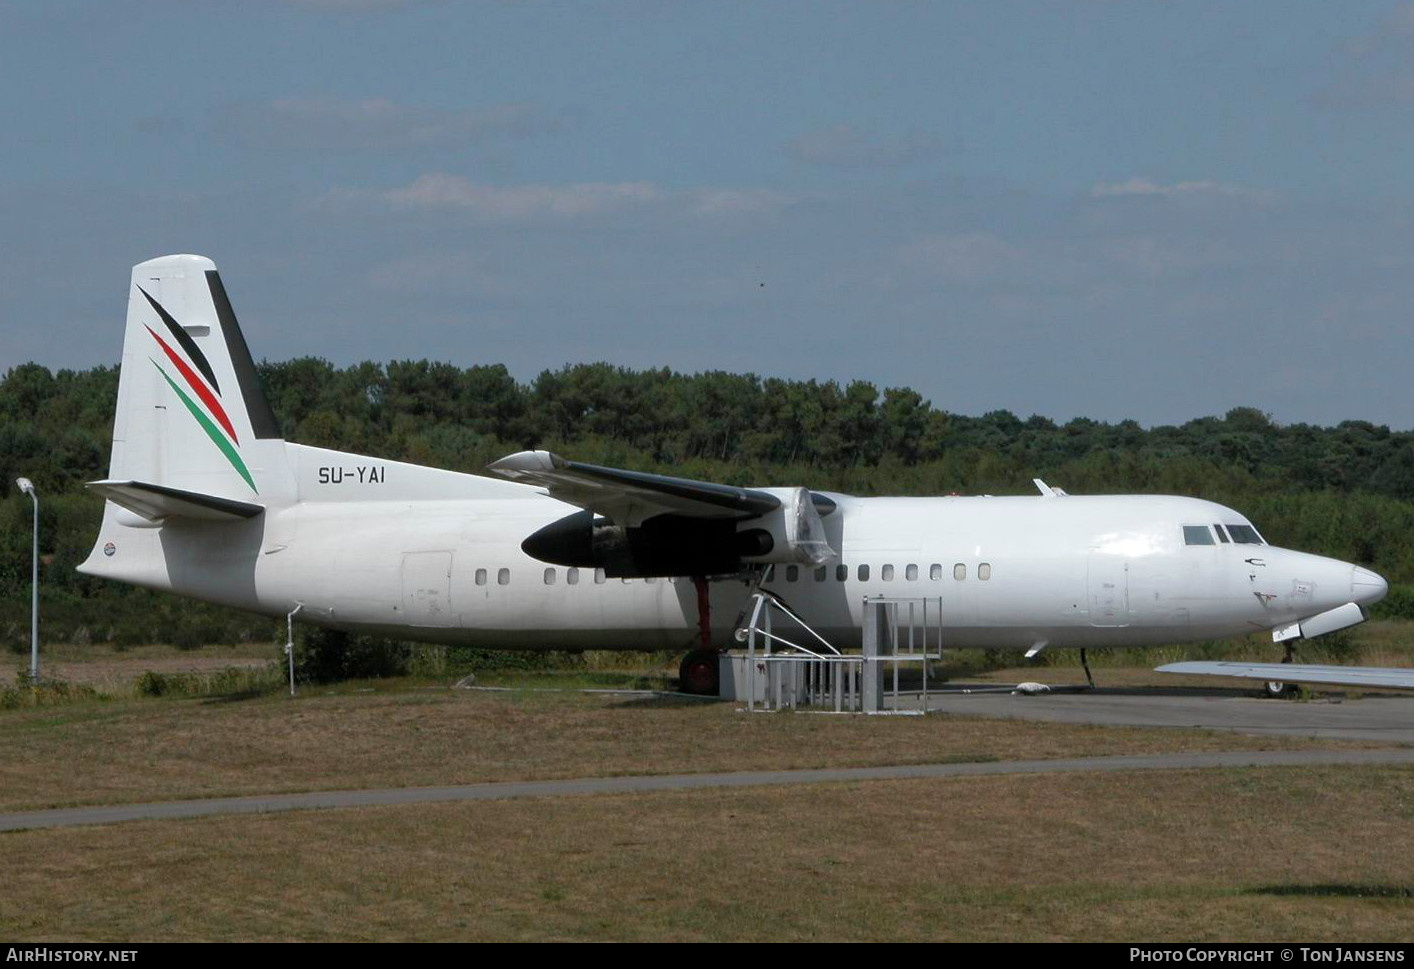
1384, 719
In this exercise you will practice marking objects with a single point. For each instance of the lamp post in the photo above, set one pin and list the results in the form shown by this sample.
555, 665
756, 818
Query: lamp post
27, 487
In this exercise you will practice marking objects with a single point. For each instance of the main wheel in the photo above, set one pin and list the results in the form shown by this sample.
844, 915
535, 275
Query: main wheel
699, 673
1276, 689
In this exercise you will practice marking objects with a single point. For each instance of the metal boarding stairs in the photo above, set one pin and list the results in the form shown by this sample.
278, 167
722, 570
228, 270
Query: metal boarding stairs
782, 674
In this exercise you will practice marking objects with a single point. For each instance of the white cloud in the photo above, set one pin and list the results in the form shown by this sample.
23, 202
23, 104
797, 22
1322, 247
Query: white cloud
377, 123
736, 201
485, 202
846, 146
1142, 186
520, 202
968, 258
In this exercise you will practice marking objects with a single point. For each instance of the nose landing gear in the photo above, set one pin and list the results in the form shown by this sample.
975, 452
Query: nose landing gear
1276, 689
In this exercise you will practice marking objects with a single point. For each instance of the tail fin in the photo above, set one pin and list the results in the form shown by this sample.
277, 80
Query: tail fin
191, 413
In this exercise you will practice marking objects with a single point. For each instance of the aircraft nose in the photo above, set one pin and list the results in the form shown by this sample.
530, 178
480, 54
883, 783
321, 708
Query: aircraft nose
1366, 587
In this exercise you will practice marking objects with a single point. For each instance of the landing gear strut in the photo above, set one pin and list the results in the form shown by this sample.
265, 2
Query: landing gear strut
1276, 688
699, 672
1085, 662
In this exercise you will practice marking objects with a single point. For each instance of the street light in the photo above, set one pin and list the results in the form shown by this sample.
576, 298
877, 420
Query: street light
27, 487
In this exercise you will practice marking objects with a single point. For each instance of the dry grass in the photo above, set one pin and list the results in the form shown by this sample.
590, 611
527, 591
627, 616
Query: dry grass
1277, 854
140, 750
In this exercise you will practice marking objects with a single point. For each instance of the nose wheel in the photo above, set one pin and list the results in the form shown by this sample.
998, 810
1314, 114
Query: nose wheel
1276, 689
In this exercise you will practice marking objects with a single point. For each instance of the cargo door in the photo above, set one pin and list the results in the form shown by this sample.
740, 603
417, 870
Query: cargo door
1109, 589
427, 589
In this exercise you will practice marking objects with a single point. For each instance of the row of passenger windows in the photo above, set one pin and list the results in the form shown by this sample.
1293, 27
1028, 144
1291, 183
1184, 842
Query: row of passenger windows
841, 572
1237, 534
888, 573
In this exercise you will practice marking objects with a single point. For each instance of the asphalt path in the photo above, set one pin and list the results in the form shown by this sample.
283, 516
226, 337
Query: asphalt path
268, 803
1384, 719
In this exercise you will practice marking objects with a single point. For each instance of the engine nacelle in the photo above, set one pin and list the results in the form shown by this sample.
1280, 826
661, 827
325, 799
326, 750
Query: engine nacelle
793, 534
671, 545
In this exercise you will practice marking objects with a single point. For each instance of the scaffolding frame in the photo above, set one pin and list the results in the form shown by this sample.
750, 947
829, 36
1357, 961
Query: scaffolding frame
898, 630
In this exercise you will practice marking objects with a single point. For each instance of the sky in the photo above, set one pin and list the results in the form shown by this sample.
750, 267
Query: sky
1095, 208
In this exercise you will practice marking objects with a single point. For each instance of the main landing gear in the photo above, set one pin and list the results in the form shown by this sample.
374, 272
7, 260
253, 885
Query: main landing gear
699, 673
1276, 688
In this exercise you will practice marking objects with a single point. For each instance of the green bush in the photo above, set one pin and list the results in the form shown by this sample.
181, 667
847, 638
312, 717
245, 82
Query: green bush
329, 655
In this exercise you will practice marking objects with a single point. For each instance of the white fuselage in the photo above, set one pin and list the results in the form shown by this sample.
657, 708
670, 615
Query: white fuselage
1010, 572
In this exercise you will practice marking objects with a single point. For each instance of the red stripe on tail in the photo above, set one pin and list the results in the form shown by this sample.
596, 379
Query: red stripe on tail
198, 385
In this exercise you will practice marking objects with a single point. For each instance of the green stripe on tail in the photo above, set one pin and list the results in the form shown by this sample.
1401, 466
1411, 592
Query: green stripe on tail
211, 429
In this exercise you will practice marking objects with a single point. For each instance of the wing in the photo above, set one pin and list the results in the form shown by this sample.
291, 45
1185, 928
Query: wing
1368, 676
628, 498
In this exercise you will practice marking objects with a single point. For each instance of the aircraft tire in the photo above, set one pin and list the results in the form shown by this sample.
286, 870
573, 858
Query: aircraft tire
699, 673
1276, 689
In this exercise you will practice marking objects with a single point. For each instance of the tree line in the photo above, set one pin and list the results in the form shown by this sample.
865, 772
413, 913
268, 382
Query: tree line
1346, 490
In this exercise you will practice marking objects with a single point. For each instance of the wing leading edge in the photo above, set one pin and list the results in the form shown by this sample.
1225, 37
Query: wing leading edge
630, 497
1368, 676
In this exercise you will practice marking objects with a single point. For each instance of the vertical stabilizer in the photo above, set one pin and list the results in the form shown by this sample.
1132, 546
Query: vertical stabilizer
191, 413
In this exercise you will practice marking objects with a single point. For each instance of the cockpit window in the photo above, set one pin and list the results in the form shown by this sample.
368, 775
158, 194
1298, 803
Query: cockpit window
1197, 535
1222, 535
1245, 535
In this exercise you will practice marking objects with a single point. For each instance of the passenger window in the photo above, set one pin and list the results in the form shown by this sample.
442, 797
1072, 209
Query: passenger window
820, 574
959, 571
911, 573
984, 571
503, 577
572, 576
935, 572
864, 573
888, 573
480, 576
792, 573
599, 577
841, 572
1222, 535
1197, 535
549, 576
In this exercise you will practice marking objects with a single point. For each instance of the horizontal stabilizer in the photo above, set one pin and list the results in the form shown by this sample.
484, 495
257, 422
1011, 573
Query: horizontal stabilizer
1366, 676
629, 497
158, 502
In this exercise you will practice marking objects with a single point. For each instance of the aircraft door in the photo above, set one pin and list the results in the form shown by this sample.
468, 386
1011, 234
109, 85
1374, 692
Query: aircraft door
1109, 589
427, 589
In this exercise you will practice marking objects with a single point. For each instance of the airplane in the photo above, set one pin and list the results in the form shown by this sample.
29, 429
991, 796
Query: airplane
206, 499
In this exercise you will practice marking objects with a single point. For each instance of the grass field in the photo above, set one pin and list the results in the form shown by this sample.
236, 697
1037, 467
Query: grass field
1242, 854
100, 752
1277, 854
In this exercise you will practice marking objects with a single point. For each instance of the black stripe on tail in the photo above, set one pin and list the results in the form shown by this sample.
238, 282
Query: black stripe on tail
262, 418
